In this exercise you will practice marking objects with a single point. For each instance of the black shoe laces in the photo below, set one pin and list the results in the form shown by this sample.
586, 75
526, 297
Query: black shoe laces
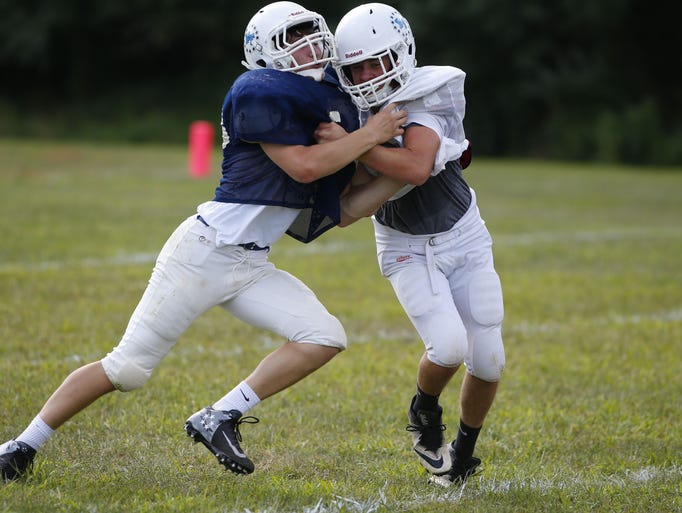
244, 420
430, 435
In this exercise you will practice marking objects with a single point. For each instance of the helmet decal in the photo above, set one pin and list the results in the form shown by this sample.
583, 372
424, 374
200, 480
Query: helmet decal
400, 24
251, 40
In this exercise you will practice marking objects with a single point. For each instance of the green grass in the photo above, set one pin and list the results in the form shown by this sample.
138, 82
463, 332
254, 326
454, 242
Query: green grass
588, 413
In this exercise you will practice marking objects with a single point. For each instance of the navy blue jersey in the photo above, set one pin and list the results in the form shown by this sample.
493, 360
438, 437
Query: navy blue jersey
271, 106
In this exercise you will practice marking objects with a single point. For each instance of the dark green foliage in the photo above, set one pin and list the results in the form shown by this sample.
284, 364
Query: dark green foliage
590, 81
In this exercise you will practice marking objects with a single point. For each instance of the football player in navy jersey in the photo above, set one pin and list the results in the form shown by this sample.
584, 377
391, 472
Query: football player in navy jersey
432, 243
275, 180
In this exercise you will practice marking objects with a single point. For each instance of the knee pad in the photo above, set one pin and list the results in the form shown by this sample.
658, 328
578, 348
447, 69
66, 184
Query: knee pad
337, 334
487, 359
124, 375
444, 360
328, 332
447, 351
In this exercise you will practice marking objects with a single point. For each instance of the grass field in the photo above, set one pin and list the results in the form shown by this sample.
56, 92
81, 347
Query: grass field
588, 416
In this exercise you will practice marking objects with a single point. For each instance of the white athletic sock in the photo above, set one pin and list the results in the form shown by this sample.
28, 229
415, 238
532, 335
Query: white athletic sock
36, 434
241, 398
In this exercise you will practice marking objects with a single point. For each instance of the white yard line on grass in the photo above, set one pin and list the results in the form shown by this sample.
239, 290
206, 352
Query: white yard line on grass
333, 247
524, 327
641, 232
668, 316
57, 265
482, 487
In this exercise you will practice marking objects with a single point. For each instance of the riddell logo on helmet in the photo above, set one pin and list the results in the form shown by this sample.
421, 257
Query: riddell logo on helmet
353, 54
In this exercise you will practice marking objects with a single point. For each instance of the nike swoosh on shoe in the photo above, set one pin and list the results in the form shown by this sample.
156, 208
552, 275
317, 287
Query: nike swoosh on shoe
436, 464
234, 449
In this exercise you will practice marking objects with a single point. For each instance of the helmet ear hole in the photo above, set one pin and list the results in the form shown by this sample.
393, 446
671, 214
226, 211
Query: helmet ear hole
347, 73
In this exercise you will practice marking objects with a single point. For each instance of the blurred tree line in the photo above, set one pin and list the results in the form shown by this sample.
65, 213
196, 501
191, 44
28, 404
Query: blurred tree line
553, 79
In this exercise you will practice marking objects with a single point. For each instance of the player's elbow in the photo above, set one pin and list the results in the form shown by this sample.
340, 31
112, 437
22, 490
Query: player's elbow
306, 171
347, 219
418, 176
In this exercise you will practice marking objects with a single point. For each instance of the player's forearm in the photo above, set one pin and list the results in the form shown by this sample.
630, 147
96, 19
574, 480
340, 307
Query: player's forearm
363, 200
325, 159
397, 163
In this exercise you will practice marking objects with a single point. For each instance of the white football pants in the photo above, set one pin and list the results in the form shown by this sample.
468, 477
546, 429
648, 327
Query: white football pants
192, 275
448, 286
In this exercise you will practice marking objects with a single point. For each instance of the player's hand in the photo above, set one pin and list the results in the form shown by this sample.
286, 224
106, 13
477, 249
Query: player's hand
327, 132
387, 123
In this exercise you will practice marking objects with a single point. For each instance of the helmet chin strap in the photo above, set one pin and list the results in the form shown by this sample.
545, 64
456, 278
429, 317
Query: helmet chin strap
248, 66
317, 74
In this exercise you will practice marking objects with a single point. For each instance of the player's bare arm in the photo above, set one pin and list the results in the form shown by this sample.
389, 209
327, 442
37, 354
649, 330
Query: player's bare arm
309, 163
413, 162
365, 194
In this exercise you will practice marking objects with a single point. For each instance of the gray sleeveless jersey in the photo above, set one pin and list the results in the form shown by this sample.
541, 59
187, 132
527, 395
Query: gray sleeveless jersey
433, 207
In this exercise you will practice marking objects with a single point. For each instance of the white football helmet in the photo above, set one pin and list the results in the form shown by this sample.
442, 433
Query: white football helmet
278, 30
374, 31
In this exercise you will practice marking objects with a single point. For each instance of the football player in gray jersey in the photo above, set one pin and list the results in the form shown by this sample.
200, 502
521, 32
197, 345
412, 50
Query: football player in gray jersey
432, 244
